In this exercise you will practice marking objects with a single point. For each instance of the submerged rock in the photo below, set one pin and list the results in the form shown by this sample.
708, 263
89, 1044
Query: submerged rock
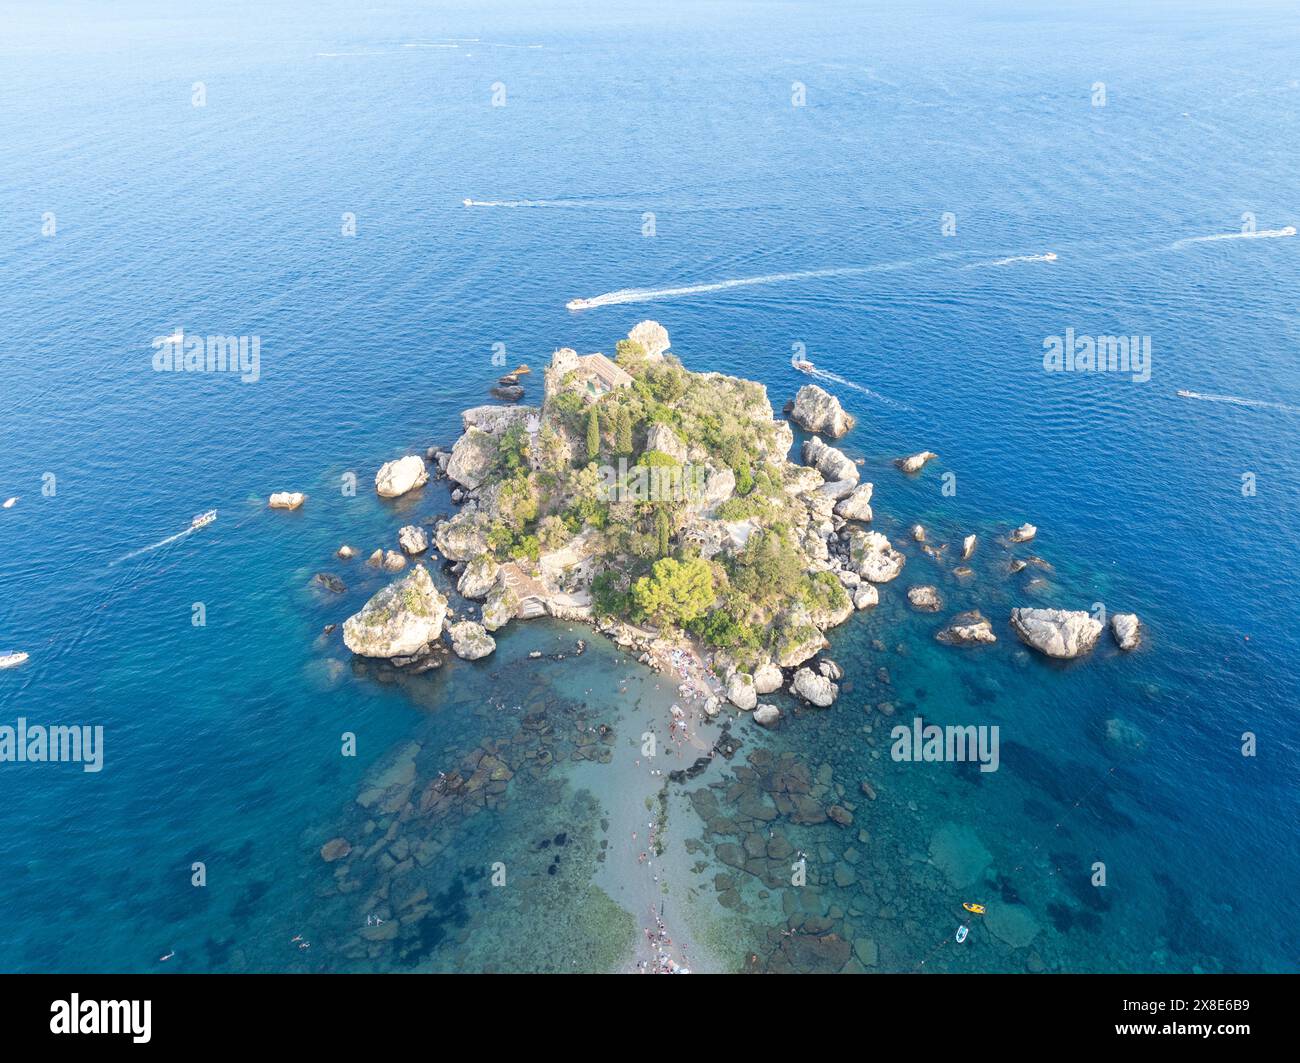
329, 582
395, 478
1023, 534
813, 688
1056, 632
470, 641
335, 849
967, 628
1127, 630
286, 500
401, 620
817, 410
925, 598
915, 462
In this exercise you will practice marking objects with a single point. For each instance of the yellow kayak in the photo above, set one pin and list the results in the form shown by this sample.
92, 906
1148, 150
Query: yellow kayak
978, 909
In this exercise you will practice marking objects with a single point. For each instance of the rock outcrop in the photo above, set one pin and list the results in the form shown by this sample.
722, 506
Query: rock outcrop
874, 557
412, 540
1023, 534
652, 336
865, 596
768, 678
857, 506
813, 688
925, 598
740, 690
478, 578
470, 641
395, 478
966, 629
286, 500
915, 462
1126, 629
1057, 633
767, 715
967, 547
817, 410
401, 620
833, 464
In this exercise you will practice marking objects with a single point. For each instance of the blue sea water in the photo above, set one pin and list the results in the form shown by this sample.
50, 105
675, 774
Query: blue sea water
222, 742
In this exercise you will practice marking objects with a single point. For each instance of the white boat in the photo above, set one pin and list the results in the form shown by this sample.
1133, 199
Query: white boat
578, 304
802, 364
12, 660
202, 520
468, 202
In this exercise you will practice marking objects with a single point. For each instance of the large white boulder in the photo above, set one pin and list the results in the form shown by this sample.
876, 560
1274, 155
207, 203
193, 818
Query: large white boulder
767, 715
833, 464
472, 458
813, 688
395, 478
479, 576
740, 690
470, 641
874, 557
1056, 632
651, 335
767, 678
858, 505
816, 410
401, 620
915, 462
1127, 630
966, 629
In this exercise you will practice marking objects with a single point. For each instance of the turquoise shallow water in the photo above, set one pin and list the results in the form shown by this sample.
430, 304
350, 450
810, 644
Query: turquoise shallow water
222, 742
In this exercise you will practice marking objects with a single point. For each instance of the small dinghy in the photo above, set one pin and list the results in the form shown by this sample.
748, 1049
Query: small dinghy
962, 931
12, 659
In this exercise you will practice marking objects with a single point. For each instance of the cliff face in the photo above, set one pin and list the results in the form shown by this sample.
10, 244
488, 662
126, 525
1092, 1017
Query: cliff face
573, 508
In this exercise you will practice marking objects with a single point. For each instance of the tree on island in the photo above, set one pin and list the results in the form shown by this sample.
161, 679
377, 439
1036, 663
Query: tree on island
593, 434
663, 530
676, 592
623, 431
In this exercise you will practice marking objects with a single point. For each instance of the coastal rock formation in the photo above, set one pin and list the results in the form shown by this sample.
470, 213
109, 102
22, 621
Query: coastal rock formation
500, 607
660, 437
767, 715
470, 641
652, 337
479, 577
1127, 630
1023, 534
813, 688
816, 410
1056, 632
345, 553
401, 620
865, 596
874, 557
464, 536
767, 678
395, 478
858, 504
286, 500
472, 458
393, 561
335, 849
740, 690
925, 598
915, 462
833, 464
967, 628
967, 547
412, 540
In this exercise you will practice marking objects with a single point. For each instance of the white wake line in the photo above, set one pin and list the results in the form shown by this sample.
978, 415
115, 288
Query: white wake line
1050, 256
1261, 234
535, 203
154, 546
837, 379
1237, 400
645, 295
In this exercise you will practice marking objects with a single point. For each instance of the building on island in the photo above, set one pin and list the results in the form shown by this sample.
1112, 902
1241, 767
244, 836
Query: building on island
593, 374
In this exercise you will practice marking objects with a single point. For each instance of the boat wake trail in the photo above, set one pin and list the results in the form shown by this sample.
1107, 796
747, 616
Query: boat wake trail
1236, 400
835, 378
529, 203
154, 546
1257, 234
1050, 256
646, 295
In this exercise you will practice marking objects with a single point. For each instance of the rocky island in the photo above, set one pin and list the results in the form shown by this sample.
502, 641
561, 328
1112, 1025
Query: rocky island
660, 505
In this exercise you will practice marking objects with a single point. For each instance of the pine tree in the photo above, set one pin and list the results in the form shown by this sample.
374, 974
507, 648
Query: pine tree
593, 435
662, 530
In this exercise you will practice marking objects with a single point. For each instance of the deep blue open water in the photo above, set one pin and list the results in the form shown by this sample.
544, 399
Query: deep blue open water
222, 742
